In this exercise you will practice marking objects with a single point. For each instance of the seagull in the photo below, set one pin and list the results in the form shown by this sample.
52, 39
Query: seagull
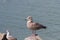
8, 34
9, 37
33, 25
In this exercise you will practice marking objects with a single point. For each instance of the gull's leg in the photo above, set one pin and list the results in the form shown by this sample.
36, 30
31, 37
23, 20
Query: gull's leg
33, 32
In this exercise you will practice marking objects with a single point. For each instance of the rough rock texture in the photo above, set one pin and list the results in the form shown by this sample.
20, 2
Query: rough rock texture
33, 37
12, 38
1, 35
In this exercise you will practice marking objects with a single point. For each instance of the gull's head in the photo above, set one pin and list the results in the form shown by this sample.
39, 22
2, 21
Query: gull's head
6, 30
29, 18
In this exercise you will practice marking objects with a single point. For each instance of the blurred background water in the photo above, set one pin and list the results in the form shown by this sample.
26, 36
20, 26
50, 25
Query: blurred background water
46, 12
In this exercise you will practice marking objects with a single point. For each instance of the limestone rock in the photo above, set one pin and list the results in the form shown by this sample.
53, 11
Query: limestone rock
33, 37
12, 38
1, 35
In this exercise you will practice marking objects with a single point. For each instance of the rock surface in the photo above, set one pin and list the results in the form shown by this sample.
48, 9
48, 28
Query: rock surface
33, 37
12, 38
1, 35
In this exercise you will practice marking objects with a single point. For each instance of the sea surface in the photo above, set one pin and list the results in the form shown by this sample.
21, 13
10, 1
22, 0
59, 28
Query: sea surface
46, 12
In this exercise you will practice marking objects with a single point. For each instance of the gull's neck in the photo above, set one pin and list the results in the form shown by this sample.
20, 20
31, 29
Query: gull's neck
29, 21
7, 34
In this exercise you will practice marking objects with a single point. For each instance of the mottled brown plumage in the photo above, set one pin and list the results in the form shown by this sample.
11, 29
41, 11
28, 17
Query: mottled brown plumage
32, 25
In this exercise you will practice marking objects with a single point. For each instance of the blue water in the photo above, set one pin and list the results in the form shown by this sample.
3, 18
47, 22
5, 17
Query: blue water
46, 12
